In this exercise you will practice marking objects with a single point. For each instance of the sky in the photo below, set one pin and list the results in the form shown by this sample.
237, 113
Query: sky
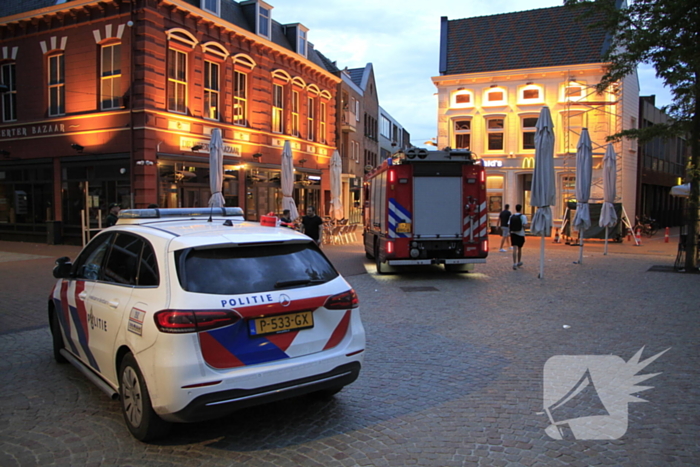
401, 38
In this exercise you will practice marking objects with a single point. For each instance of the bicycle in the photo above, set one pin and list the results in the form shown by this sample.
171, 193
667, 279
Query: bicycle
646, 225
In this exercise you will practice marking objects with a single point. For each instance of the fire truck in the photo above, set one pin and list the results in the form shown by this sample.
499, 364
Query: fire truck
426, 207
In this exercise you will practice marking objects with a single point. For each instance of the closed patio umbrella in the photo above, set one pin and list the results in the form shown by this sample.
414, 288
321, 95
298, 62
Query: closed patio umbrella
336, 202
608, 216
216, 169
584, 172
287, 181
543, 194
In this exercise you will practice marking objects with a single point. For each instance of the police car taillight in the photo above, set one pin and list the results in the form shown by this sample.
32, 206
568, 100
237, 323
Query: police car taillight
343, 301
183, 321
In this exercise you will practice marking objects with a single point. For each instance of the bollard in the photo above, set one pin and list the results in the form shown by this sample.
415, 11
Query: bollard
666, 235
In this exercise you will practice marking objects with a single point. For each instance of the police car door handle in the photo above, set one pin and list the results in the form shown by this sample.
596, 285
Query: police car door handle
113, 303
82, 295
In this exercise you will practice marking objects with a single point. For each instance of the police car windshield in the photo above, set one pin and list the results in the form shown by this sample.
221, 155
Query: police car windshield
252, 268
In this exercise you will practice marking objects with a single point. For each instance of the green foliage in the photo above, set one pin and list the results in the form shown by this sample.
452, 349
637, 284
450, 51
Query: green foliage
666, 35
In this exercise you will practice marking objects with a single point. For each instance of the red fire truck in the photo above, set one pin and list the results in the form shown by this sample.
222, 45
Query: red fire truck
426, 207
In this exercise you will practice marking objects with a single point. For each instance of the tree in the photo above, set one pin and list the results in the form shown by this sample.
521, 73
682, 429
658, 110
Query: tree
666, 35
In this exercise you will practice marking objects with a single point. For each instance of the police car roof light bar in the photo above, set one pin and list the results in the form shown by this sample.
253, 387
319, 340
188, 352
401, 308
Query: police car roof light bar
157, 213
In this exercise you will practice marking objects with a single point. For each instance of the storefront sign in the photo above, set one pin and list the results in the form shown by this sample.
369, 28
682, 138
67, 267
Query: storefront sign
495, 163
31, 130
186, 144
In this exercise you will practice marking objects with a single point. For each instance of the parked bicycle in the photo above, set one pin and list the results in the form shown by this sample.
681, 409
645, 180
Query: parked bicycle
646, 225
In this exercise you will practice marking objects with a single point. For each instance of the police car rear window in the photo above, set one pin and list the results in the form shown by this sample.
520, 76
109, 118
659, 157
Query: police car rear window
254, 268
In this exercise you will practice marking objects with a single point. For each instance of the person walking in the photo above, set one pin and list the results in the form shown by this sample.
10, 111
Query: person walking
312, 225
503, 219
286, 220
517, 224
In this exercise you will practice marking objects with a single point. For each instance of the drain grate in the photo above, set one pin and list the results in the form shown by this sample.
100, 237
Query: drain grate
659, 268
419, 289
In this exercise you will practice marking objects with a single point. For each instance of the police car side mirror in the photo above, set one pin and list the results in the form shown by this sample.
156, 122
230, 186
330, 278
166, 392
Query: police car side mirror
63, 268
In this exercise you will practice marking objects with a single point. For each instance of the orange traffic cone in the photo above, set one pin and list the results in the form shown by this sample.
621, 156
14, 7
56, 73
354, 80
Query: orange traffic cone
666, 235
556, 236
629, 235
638, 236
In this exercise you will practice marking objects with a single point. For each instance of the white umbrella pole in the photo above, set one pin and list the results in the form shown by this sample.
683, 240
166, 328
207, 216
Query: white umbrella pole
541, 276
605, 251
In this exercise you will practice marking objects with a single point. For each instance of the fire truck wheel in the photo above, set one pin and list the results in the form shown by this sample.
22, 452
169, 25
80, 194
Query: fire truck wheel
378, 261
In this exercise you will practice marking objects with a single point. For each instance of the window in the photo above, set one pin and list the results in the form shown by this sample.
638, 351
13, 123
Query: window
385, 127
357, 110
240, 98
212, 6
177, 81
295, 113
228, 271
9, 97
57, 91
495, 96
530, 94
322, 124
462, 132
529, 130
572, 91
211, 90
111, 77
88, 265
311, 118
462, 99
277, 108
573, 124
301, 45
494, 129
264, 21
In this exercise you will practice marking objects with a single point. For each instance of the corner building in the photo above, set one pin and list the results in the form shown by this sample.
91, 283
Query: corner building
115, 101
496, 74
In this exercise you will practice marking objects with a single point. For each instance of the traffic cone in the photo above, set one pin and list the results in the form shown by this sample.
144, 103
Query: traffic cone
556, 236
666, 235
629, 235
638, 236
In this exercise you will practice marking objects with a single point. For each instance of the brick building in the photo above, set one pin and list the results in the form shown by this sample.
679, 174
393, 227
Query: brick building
115, 100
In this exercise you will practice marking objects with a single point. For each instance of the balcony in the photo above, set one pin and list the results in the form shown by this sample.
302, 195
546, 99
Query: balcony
349, 123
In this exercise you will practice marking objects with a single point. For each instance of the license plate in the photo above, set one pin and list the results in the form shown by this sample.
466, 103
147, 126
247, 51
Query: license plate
403, 227
281, 323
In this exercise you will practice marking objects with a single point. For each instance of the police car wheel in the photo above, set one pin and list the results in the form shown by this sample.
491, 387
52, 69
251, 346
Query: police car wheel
143, 423
57, 339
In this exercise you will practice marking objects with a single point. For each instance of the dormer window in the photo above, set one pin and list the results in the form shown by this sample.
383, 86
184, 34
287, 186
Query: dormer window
212, 6
301, 41
530, 94
264, 20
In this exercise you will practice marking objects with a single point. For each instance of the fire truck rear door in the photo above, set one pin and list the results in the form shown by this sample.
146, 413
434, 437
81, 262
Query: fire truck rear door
437, 204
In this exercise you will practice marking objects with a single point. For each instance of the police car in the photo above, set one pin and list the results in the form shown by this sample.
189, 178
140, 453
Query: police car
189, 314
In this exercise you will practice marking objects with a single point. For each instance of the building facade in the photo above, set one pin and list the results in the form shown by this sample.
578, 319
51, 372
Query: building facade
662, 165
114, 101
492, 87
392, 136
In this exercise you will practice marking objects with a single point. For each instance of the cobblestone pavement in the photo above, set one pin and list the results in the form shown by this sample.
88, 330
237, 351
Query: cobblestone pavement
453, 372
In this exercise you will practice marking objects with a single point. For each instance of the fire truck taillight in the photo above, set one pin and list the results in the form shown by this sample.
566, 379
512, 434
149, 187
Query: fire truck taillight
485, 246
390, 248
483, 176
392, 176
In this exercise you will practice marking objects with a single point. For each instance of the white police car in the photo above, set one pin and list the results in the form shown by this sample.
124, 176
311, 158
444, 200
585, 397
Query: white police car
189, 314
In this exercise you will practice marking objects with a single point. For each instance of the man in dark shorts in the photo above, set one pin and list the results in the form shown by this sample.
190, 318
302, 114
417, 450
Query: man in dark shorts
312, 225
517, 235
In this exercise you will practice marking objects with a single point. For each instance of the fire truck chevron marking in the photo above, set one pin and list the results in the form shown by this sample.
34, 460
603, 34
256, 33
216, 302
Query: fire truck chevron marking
397, 214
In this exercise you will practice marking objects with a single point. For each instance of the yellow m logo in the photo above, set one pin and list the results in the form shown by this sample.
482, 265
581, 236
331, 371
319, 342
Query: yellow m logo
528, 163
